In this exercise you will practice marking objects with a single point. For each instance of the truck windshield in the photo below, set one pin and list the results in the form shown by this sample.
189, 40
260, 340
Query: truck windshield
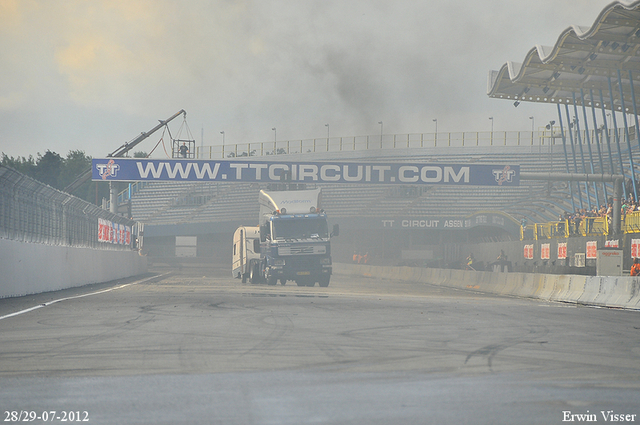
300, 228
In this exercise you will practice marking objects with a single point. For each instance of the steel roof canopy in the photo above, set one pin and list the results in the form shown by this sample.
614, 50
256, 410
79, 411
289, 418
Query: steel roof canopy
582, 61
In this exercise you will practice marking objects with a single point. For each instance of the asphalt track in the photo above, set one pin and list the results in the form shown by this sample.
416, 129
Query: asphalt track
200, 347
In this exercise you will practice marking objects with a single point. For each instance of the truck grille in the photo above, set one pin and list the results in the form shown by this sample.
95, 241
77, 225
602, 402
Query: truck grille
302, 250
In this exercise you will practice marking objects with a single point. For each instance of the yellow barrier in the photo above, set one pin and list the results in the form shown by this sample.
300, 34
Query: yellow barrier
590, 226
631, 222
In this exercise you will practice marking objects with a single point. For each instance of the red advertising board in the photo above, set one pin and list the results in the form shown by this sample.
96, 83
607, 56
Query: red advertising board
545, 249
528, 252
562, 251
635, 248
615, 243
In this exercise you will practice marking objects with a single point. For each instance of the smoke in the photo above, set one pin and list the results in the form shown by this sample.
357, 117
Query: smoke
91, 75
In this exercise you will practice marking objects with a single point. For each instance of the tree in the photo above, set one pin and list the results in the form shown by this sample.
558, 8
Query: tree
21, 164
48, 168
75, 164
59, 172
140, 154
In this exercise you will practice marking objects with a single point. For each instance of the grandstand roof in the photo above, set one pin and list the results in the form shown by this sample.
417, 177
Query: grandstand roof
582, 59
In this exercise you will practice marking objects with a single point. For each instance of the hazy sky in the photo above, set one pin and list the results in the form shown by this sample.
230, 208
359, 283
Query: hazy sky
93, 74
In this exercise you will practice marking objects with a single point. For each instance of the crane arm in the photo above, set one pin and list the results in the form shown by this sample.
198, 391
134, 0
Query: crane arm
122, 151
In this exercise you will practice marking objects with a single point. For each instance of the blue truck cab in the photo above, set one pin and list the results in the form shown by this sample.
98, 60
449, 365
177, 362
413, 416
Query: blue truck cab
294, 239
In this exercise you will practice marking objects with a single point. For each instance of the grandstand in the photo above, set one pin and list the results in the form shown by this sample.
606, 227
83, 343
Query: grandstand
167, 203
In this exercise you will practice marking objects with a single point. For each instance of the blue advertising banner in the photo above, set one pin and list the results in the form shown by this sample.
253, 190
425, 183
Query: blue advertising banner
128, 169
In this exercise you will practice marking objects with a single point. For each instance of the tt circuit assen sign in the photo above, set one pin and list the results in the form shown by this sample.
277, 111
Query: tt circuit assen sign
125, 169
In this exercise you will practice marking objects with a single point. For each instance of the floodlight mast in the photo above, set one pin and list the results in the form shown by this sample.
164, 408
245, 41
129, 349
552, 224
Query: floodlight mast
122, 151
617, 180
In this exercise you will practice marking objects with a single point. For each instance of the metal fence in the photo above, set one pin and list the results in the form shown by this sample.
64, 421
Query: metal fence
393, 141
31, 211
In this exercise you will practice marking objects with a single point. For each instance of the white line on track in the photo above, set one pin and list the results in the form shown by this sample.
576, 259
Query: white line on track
17, 313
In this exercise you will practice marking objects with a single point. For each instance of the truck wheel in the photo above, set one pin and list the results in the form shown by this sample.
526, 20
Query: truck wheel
272, 280
254, 274
312, 283
244, 277
300, 283
324, 282
283, 282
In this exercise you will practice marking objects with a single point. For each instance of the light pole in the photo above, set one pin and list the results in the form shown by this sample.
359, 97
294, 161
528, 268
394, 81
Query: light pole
435, 135
380, 122
327, 125
275, 141
222, 132
550, 128
491, 136
532, 121
551, 142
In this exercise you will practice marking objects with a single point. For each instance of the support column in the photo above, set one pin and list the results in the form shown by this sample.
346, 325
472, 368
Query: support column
579, 141
573, 153
635, 108
606, 132
597, 137
588, 140
626, 133
566, 157
618, 188
113, 197
615, 132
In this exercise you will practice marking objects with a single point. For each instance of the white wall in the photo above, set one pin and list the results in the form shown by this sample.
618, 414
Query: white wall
609, 291
31, 268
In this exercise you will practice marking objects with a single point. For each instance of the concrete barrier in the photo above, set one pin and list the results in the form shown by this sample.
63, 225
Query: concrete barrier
31, 268
619, 292
561, 288
527, 283
608, 291
591, 290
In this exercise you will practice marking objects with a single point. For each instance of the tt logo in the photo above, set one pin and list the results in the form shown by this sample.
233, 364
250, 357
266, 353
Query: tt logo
504, 175
110, 169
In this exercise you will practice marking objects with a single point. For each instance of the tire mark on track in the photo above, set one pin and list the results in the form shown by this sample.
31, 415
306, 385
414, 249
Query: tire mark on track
282, 325
490, 351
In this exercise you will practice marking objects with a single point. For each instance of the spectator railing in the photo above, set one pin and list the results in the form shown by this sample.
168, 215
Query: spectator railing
631, 222
589, 226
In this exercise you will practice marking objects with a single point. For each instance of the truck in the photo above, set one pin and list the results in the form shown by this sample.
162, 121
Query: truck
294, 240
246, 247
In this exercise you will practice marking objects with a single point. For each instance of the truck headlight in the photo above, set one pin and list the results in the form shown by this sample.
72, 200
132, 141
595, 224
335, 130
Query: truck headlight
326, 261
278, 262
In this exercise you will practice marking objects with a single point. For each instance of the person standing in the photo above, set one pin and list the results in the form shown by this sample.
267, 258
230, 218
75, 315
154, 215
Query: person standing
635, 269
184, 150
